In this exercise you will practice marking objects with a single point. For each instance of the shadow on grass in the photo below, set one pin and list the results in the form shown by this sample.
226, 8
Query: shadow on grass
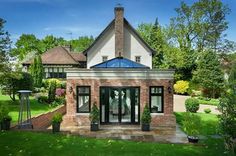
209, 123
28, 143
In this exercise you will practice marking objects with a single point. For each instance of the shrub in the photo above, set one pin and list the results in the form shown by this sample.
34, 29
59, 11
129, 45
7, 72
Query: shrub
192, 105
63, 84
57, 118
52, 91
54, 104
47, 83
60, 100
4, 110
146, 116
43, 99
191, 124
60, 92
36, 90
207, 110
94, 114
181, 87
194, 93
43, 90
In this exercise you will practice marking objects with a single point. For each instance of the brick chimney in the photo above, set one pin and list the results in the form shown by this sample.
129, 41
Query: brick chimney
119, 31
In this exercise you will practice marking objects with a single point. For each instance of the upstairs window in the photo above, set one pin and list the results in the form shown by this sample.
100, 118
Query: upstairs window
138, 59
104, 58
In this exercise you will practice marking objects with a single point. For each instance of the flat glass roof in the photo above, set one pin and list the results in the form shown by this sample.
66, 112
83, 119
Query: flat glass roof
119, 62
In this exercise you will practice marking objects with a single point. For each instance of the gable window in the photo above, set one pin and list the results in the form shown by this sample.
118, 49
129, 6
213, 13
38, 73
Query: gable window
156, 99
83, 99
104, 58
138, 59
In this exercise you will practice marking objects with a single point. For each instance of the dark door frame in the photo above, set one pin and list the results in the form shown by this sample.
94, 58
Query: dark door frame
119, 116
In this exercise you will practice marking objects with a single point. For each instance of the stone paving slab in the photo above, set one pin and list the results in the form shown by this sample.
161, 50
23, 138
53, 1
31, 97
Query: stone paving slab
133, 133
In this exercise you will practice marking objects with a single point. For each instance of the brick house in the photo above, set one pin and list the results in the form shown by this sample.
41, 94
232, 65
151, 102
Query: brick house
119, 78
56, 60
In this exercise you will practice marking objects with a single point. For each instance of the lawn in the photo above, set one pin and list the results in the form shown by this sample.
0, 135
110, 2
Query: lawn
33, 143
214, 102
209, 122
36, 107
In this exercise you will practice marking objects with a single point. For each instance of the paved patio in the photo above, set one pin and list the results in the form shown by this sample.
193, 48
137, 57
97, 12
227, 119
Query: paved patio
130, 132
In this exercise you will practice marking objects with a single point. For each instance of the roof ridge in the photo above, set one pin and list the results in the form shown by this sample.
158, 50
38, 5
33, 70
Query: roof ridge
69, 54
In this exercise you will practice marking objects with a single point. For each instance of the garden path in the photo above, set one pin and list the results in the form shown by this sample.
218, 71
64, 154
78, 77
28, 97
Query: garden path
179, 105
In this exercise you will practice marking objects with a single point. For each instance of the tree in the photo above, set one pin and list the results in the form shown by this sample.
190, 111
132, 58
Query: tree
82, 43
200, 26
26, 44
196, 28
154, 35
208, 73
17, 81
4, 49
227, 107
36, 70
50, 42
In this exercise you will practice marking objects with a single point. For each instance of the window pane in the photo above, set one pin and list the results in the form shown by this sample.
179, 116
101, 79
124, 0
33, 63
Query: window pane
104, 58
83, 90
137, 59
83, 103
60, 69
156, 104
155, 90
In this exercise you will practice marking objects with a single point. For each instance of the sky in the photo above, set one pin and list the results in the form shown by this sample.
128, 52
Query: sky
74, 18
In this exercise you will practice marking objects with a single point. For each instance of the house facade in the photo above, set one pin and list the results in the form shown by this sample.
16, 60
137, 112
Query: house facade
56, 60
120, 80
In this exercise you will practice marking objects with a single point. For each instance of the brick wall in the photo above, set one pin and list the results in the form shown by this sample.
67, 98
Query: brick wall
43, 121
165, 119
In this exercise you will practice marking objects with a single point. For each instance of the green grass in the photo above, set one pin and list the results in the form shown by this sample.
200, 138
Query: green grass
209, 122
33, 143
214, 102
36, 107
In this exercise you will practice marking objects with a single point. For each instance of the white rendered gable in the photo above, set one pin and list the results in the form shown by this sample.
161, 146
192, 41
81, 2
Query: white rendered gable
133, 46
105, 46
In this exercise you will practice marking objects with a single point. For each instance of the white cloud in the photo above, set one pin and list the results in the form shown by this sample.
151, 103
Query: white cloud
73, 29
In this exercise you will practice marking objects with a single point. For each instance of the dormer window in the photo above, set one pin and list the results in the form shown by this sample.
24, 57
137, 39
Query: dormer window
104, 58
138, 59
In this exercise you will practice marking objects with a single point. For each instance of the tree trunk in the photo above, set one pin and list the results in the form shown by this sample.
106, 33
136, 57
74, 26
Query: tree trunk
213, 93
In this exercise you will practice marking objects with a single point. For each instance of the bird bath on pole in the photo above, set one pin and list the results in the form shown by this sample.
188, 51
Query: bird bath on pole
24, 118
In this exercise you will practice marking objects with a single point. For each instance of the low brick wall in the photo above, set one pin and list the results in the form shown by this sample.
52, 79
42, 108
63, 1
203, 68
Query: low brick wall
43, 121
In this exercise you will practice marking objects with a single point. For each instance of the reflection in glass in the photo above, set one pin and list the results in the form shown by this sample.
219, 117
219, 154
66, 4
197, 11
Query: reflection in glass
125, 105
156, 102
113, 105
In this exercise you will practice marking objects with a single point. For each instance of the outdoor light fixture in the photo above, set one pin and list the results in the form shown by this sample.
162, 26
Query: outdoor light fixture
169, 88
70, 89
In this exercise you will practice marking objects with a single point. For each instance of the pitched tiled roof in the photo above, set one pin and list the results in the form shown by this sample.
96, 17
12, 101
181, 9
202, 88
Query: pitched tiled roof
60, 55
80, 57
